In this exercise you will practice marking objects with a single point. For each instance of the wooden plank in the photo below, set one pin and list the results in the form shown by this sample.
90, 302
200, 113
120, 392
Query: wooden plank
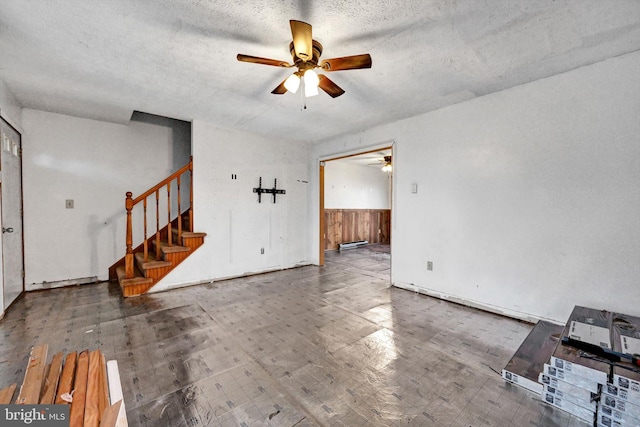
337, 232
92, 406
30, 389
363, 225
76, 415
51, 381
351, 225
65, 385
103, 402
6, 394
110, 415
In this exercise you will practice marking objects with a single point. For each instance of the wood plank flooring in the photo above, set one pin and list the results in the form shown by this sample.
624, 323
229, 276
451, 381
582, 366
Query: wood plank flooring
332, 345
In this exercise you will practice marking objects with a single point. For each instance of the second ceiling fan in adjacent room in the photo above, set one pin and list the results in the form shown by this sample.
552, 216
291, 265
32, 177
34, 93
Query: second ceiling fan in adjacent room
306, 54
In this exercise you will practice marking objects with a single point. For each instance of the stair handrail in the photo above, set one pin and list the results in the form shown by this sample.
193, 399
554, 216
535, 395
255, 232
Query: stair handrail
130, 202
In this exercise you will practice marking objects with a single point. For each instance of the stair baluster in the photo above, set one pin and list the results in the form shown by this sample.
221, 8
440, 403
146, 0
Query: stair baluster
158, 224
170, 237
179, 213
128, 258
191, 194
145, 242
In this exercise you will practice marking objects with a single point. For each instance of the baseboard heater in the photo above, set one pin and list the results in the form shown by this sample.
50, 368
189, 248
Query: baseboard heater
352, 245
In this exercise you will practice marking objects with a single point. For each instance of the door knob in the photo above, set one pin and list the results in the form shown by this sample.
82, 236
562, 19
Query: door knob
7, 230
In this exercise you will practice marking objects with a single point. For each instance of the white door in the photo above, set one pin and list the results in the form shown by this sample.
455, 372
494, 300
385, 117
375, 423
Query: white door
11, 213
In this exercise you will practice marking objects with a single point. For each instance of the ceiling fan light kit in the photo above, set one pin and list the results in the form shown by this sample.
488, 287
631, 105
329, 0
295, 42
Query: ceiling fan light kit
306, 54
387, 164
292, 83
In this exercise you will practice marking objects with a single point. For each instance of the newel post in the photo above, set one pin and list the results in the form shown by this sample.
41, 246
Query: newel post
128, 258
191, 194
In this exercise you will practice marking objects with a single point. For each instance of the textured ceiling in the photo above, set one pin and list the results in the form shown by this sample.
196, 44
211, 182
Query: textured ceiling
177, 58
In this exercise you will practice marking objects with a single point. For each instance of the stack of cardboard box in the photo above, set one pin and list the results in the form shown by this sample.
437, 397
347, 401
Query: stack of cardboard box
528, 362
578, 377
620, 400
597, 387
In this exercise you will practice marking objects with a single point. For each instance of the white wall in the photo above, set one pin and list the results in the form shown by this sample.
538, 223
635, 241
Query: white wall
528, 198
351, 186
95, 164
9, 106
237, 226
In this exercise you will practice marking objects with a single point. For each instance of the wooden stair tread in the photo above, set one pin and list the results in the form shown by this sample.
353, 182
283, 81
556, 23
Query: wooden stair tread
151, 261
164, 247
136, 280
189, 234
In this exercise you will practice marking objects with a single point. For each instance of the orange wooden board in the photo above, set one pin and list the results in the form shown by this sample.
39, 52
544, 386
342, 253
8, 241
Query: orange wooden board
33, 377
76, 415
65, 384
92, 398
6, 394
51, 381
103, 402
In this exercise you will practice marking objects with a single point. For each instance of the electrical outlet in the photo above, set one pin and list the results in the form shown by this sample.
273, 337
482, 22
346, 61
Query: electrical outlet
430, 265
68, 204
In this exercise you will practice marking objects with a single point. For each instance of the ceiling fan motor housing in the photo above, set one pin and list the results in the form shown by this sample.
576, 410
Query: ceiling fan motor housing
311, 63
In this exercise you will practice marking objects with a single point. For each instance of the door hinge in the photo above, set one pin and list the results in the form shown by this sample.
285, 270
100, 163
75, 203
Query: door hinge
23, 274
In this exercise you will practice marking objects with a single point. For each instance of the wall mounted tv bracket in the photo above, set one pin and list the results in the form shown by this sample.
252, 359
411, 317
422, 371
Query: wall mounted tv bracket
273, 190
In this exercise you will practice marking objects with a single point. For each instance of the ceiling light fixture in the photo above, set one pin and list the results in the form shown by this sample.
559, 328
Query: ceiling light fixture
311, 81
306, 53
292, 83
387, 164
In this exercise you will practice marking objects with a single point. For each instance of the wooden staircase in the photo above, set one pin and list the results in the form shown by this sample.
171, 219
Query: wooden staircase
141, 268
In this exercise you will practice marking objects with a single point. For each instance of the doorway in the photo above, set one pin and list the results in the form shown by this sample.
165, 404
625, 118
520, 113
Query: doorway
356, 200
12, 276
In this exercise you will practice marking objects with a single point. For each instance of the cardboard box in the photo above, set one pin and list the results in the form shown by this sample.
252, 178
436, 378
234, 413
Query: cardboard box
528, 361
622, 393
620, 405
568, 391
566, 387
588, 325
604, 421
608, 415
621, 380
613, 424
625, 333
557, 373
570, 407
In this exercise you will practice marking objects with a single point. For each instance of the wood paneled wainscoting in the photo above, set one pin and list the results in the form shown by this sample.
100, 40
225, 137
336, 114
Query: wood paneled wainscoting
351, 225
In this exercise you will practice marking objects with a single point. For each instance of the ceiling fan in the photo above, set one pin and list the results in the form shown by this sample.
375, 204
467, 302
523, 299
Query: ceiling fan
306, 56
385, 161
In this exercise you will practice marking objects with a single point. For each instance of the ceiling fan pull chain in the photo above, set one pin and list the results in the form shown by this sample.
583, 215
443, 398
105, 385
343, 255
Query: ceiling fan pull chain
303, 99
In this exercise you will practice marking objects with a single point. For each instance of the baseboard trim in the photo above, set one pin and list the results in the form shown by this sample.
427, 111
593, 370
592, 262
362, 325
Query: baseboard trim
61, 283
525, 317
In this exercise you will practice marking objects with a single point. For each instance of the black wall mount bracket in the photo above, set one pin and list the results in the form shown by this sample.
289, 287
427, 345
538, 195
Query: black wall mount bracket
272, 191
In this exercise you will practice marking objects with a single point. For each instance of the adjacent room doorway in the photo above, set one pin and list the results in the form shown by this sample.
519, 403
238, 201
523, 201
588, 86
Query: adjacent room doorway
356, 199
12, 275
